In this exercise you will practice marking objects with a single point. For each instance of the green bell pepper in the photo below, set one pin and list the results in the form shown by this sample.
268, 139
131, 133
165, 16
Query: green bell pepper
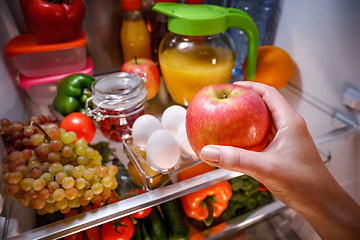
72, 92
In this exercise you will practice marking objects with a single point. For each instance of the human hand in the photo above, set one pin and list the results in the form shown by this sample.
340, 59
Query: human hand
291, 157
292, 169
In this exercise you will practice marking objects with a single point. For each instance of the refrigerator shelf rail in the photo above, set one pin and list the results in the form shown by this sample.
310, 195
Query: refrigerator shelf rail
125, 207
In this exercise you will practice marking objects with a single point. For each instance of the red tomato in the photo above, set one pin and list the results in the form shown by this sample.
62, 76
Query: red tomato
71, 213
74, 236
120, 229
142, 213
106, 201
79, 123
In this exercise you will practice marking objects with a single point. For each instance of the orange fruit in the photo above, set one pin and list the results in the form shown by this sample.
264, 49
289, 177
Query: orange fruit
274, 66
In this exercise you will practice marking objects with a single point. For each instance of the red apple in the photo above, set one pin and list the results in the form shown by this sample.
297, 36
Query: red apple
147, 66
227, 114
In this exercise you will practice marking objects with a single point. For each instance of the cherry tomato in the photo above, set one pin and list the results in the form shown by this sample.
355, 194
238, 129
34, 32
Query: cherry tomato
142, 213
71, 213
107, 200
79, 123
120, 229
75, 236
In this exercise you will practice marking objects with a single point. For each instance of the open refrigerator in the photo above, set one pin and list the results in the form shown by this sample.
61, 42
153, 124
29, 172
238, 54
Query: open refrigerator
322, 38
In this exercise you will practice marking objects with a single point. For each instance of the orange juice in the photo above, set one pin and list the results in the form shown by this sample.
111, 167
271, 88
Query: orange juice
135, 40
185, 72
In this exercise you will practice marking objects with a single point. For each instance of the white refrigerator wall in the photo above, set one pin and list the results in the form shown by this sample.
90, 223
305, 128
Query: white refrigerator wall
323, 38
12, 98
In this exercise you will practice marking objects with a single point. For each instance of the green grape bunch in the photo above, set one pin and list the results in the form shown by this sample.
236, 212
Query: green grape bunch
48, 169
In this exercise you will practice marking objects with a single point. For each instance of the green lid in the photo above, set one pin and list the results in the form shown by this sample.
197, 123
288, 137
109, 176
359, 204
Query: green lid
204, 20
195, 20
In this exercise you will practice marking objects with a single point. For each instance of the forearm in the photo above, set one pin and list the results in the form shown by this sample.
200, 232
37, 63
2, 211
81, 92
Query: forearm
332, 213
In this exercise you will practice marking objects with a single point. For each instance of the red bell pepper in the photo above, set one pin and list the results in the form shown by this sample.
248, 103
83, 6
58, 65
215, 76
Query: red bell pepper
207, 203
52, 21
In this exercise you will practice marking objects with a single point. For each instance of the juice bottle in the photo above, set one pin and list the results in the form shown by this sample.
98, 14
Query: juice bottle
134, 35
196, 51
159, 31
187, 69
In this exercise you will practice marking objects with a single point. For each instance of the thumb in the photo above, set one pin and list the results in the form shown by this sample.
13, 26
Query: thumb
232, 158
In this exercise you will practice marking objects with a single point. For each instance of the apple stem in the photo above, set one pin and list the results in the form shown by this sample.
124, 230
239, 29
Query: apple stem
224, 95
135, 59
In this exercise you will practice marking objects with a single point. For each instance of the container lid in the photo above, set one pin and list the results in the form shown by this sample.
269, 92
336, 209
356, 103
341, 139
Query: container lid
194, 1
194, 19
27, 44
26, 82
130, 5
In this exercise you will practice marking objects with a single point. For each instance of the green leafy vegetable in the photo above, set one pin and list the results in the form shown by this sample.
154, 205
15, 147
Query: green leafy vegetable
246, 197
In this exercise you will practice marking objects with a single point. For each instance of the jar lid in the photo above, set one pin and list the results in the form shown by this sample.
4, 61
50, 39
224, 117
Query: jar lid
194, 19
203, 19
130, 5
112, 91
27, 44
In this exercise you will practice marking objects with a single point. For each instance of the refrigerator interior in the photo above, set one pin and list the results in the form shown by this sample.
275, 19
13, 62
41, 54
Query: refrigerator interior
321, 36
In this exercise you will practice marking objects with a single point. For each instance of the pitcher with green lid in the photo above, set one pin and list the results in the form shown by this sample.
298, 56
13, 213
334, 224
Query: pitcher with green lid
196, 52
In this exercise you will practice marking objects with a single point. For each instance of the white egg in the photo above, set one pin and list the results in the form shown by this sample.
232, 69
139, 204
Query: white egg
183, 140
172, 117
162, 151
143, 127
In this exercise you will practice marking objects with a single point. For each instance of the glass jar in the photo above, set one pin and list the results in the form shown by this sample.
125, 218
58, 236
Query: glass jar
197, 52
189, 63
117, 100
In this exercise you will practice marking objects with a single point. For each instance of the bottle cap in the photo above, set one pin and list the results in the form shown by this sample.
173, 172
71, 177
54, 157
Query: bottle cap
194, 1
168, 1
130, 5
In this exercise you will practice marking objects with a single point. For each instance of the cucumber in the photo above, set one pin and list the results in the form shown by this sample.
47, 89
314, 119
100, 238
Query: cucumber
137, 232
140, 232
175, 220
145, 234
155, 226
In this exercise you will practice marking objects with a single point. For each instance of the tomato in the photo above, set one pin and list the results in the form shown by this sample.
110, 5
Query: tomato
120, 229
107, 200
71, 213
79, 123
142, 213
75, 236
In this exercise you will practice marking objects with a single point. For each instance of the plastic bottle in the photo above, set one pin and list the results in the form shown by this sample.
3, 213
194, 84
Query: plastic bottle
159, 31
265, 14
135, 37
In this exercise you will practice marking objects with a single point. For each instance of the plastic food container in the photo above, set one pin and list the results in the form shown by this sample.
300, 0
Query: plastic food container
38, 60
43, 90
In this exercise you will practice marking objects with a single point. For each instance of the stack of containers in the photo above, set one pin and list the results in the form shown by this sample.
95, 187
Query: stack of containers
41, 66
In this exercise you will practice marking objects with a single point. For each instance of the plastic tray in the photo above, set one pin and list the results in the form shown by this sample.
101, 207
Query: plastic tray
158, 179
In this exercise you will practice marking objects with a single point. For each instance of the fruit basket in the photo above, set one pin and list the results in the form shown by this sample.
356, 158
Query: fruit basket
154, 179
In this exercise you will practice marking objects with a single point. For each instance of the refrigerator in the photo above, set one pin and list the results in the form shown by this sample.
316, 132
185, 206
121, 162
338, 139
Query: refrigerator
322, 37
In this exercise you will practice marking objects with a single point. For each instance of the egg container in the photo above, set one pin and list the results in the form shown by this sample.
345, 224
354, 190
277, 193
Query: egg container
166, 175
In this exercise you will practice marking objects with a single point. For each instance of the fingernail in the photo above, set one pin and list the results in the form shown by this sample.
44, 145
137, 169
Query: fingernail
210, 154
